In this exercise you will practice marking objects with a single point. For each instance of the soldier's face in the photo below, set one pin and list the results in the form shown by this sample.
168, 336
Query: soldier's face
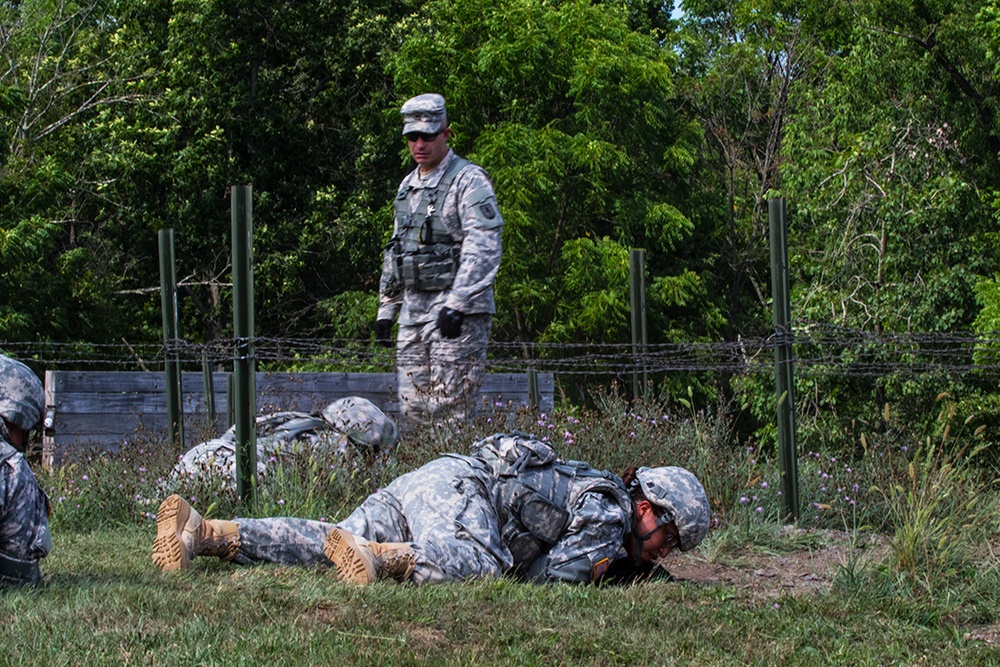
428, 150
18, 436
662, 540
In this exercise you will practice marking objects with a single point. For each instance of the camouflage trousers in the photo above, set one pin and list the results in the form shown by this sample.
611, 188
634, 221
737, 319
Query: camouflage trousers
439, 378
444, 510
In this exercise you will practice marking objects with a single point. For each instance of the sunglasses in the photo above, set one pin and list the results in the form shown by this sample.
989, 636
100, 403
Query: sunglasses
413, 136
661, 521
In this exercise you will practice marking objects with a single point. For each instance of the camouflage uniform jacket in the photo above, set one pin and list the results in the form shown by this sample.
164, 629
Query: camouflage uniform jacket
214, 462
24, 523
600, 509
474, 222
447, 510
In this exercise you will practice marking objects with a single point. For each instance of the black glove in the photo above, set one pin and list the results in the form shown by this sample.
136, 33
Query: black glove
383, 331
450, 322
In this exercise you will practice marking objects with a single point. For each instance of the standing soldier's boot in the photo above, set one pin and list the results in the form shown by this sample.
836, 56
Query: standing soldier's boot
359, 561
181, 534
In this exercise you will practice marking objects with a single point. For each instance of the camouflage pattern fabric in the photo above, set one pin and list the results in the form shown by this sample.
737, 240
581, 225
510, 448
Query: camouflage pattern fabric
22, 397
282, 540
679, 492
424, 113
478, 235
363, 423
439, 378
24, 508
446, 511
350, 420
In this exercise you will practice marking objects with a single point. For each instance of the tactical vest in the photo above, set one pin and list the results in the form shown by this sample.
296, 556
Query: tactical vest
423, 254
536, 491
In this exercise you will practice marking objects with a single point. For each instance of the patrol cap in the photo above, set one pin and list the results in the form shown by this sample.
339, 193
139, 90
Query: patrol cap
362, 422
424, 113
22, 397
679, 492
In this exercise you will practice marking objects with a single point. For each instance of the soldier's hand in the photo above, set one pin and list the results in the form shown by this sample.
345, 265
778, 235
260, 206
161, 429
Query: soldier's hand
383, 332
450, 322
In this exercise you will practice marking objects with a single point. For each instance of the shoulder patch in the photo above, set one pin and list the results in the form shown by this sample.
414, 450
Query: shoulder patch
600, 568
488, 211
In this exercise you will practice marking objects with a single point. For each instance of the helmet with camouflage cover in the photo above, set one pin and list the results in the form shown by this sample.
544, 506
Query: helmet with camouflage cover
22, 397
680, 493
363, 423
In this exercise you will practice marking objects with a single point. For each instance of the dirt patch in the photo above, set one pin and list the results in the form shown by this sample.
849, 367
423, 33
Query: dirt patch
988, 634
804, 571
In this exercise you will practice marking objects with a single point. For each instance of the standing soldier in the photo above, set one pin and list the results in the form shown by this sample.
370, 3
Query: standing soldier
24, 507
438, 272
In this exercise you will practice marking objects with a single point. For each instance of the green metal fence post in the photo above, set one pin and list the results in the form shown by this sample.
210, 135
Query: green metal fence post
640, 336
784, 382
230, 401
168, 306
244, 371
534, 397
206, 372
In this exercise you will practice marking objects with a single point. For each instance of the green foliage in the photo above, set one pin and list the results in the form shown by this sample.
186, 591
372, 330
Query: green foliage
121, 119
937, 514
882, 167
569, 111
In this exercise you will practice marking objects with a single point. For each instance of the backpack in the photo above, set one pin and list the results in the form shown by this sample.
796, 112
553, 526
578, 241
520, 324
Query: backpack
537, 490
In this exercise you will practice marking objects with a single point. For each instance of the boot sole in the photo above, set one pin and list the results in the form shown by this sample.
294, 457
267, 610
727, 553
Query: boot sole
343, 552
169, 553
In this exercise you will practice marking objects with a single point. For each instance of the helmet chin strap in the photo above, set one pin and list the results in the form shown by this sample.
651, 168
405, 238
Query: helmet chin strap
638, 538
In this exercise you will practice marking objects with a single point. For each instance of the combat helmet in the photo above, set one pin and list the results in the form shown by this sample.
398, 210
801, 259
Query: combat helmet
680, 493
22, 397
363, 423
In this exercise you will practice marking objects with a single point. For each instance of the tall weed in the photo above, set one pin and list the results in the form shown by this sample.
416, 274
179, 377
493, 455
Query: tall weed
938, 519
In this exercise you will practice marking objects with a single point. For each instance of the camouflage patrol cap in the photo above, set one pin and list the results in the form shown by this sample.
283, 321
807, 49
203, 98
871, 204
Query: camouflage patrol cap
22, 397
424, 113
679, 492
363, 423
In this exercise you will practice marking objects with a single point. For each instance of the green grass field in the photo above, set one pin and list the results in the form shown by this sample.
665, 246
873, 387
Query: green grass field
933, 600
103, 603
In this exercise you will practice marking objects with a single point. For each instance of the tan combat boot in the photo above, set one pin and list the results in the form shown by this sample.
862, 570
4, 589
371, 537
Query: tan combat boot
359, 561
181, 534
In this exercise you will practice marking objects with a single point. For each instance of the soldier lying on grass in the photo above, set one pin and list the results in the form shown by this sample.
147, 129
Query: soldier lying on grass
510, 507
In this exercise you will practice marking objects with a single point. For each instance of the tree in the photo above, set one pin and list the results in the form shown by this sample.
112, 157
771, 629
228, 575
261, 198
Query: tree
124, 118
741, 62
576, 118
886, 165
57, 73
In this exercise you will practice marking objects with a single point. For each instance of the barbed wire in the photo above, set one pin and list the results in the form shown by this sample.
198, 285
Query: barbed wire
818, 349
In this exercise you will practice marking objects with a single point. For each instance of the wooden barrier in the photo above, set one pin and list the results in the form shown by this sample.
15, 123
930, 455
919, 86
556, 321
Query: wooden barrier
104, 410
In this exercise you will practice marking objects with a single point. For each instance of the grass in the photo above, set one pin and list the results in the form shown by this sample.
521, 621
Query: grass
103, 603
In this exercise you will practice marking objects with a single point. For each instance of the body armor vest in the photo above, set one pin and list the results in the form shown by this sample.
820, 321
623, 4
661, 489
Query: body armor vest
536, 492
425, 256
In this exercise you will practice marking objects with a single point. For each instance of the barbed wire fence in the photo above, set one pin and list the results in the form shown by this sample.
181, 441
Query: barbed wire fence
819, 349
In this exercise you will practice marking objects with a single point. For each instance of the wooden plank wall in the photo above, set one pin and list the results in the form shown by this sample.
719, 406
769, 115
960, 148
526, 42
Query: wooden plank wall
103, 410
